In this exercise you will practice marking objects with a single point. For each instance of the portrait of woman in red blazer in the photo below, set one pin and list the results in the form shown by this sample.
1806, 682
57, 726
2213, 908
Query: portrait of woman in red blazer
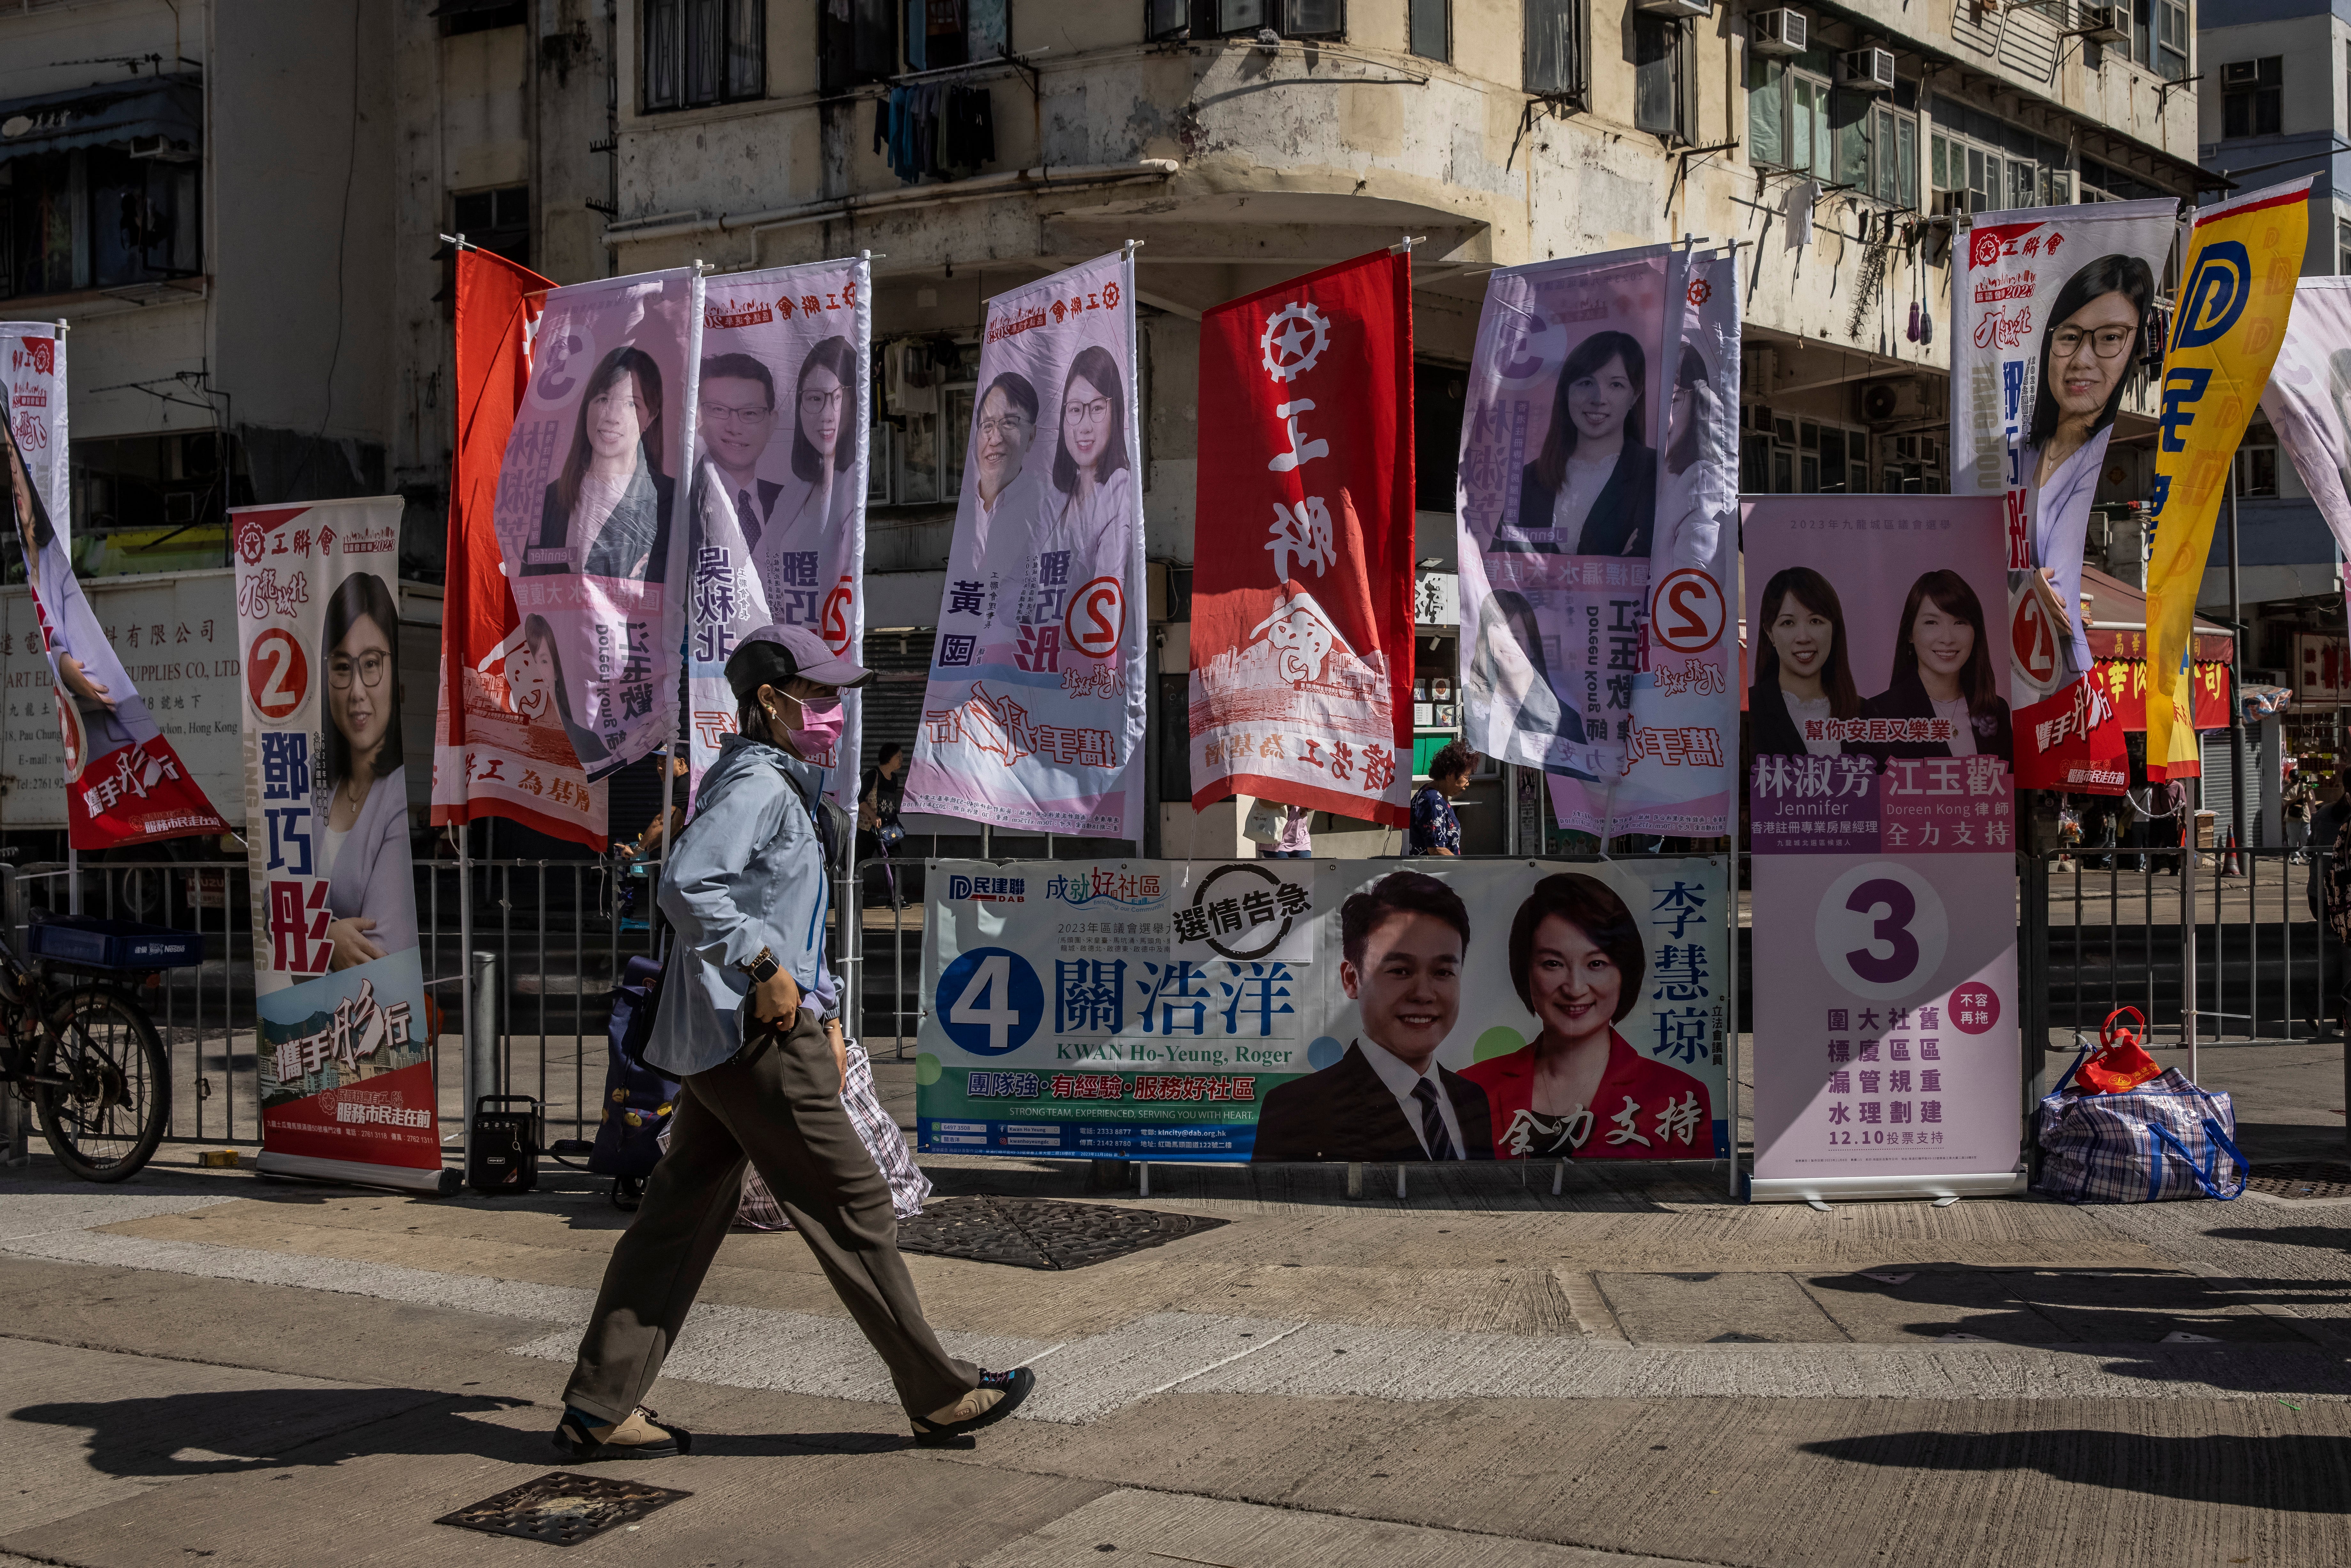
1579, 1089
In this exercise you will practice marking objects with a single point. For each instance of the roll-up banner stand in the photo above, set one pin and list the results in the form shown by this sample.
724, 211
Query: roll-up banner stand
1378, 1011
345, 1048
1883, 804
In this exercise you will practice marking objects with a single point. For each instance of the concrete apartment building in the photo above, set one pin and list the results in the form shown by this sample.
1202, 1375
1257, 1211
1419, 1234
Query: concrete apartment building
320, 149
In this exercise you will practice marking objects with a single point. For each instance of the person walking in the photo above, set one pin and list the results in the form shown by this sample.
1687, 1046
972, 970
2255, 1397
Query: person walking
878, 832
1434, 830
745, 1023
2326, 825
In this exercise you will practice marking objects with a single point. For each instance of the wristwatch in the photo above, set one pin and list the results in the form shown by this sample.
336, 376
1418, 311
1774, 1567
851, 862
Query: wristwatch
761, 968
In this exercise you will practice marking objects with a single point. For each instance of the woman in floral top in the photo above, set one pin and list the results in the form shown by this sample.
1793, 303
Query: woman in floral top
1435, 831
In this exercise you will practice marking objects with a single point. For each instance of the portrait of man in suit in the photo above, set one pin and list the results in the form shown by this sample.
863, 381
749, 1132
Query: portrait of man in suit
1386, 1099
737, 408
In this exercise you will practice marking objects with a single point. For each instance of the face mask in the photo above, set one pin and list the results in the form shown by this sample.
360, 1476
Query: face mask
823, 723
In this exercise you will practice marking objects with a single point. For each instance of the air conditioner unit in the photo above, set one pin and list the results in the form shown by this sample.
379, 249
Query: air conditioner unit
1949, 205
2106, 23
1697, 8
1871, 69
1779, 32
1883, 402
2241, 73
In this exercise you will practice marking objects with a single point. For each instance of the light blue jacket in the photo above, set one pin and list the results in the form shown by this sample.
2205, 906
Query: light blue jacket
748, 874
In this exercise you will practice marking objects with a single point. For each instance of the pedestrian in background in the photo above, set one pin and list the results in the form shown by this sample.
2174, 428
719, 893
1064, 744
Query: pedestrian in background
2327, 851
1434, 830
748, 1023
878, 833
1296, 843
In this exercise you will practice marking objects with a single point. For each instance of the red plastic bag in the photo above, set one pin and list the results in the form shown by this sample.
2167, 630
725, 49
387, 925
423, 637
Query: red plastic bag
2119, 1065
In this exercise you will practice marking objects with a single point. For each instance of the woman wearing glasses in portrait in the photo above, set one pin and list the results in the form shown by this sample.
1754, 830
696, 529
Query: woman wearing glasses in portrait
819, 494
1092, 509
2097, 328
363, 838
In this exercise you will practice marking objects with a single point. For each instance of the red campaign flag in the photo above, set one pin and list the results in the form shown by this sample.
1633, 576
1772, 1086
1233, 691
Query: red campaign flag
493, 754
2072, 739
1303, 582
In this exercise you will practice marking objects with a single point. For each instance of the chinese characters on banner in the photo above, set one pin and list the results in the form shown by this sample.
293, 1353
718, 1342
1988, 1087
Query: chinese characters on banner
588, 516
497, 749
125, 784
1302, 594
2308, 403
779, 486
2243, 257
1595, 479
1681, 759
1885, 835
1214, 1011
2052, 315
1033, 717
346, 1073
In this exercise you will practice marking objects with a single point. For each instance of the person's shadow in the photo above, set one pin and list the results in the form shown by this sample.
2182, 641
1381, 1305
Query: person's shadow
2290, 1473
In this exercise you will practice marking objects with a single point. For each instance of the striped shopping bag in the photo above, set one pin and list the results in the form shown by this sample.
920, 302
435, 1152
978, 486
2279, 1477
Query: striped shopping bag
2164, 1139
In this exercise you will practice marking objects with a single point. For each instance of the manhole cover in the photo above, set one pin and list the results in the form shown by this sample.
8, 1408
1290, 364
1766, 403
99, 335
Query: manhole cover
563, 1510
1039, 1233
2305, 1178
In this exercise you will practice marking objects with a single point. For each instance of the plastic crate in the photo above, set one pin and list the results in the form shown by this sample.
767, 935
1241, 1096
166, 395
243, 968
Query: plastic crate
94, 943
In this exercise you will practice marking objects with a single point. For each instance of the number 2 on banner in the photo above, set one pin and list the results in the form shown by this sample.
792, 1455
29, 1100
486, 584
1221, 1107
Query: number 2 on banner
1881, 930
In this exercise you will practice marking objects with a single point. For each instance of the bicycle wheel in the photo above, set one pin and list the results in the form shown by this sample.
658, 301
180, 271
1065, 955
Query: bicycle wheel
103, 1085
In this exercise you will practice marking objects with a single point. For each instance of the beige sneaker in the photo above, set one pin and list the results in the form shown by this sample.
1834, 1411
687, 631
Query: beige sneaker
999, 1394
641, 1436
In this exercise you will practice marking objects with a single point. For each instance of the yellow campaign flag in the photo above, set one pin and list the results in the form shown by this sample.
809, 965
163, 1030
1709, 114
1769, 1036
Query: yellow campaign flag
2242, 264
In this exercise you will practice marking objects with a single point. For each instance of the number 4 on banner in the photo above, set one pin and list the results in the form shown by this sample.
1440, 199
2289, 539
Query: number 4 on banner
991, 982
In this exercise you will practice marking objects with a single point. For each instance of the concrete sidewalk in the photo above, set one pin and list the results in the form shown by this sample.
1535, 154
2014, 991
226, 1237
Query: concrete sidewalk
1638, 1370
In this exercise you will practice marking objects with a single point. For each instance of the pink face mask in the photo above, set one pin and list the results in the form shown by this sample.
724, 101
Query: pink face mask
822, 725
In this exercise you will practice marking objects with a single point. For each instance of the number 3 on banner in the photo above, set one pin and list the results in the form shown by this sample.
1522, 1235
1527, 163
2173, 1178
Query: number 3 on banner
1881, 929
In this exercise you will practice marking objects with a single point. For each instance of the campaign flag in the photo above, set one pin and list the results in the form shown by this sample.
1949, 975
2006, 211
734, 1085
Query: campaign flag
1033, 716
590, 515
1681, 759
2243, 258
1302, 621
345, 1047
1569, 391
2052, 315
780, 483
493, 756
2308, 400
1207, 1010
1884, 814
125, 784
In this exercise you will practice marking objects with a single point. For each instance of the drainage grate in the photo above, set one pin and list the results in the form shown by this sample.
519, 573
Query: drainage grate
563, 1510
2303, 1178
1040, 1233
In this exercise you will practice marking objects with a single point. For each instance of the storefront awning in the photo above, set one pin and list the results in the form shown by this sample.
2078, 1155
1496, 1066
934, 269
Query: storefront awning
159, 115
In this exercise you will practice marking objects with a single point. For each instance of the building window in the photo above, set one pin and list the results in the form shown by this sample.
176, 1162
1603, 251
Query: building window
701, 52
1440, 400
943, 33
856, 42
1289, 19
2255, 471
2159, 36
496, 220
1987, 164
1556, 34
1791, 455
459, 16
2252, 96
1431, 29
98, 218
1788, 116
1662, 75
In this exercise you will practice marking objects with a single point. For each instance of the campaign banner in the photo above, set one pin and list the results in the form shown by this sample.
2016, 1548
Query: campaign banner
2052, 315
779, 507
1033, 717
125, 783
1680, 760
588, 515
1302, 626
2308, 399
2243, 258
1300, 1010
497, 748
1570, 445
1884, 812
347, 1078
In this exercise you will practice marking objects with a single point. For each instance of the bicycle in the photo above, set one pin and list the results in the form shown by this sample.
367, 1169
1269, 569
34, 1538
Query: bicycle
87, 1055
